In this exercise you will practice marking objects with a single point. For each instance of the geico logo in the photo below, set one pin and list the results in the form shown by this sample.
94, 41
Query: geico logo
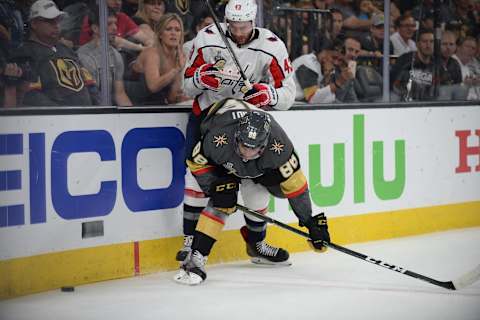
227, 186
101, 201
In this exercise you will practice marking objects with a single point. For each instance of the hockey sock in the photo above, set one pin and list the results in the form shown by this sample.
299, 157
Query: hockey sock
202, 243
256, 230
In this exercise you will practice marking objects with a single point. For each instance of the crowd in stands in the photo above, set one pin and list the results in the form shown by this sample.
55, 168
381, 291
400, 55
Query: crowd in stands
51, 53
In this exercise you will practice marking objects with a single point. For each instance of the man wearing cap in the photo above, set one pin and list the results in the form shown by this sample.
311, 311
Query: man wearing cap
57, 77
372, 44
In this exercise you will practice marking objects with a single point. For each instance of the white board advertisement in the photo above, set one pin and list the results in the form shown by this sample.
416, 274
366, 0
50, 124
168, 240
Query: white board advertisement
58, 172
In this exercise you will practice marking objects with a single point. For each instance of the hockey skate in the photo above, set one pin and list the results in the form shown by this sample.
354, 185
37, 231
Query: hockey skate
263, 253
186, 249
192, 272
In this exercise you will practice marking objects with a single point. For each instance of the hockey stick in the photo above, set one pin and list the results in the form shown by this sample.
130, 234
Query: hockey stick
247, 83
462, 282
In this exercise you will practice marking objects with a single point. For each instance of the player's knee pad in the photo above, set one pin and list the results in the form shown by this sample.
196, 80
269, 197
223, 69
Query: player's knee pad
254, 195
194, 196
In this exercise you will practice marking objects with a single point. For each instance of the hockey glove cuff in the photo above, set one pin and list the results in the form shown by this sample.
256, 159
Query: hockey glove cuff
318, 230
207, 76
261, 95
223, 194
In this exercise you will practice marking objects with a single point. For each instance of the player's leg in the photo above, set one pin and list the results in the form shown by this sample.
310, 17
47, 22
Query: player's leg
193, 203
194, 199
210, 224
256, 197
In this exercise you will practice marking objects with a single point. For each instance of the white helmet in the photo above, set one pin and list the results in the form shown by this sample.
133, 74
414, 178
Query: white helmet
241, 10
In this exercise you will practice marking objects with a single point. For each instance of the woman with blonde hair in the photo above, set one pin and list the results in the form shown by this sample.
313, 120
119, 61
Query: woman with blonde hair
148, 15
160, 67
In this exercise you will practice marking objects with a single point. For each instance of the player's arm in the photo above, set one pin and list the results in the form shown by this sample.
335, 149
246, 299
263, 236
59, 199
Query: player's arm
201, 168
293, 185
220, 187
279, 92
200, 74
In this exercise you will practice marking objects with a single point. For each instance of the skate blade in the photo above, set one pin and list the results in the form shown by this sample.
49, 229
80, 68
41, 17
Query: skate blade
187, 278
263, 261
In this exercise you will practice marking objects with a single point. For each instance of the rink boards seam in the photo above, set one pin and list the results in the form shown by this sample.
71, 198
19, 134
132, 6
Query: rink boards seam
75, 267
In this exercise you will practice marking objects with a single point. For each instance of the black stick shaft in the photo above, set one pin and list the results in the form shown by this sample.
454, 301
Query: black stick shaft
443, 284
229, 47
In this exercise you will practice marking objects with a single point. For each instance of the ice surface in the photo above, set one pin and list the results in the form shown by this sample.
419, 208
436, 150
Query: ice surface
326, 286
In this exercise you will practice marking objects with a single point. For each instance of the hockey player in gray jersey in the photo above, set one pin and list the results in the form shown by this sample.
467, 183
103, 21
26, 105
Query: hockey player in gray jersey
211, 75
244, 149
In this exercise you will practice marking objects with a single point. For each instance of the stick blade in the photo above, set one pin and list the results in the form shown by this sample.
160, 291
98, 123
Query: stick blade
468, 278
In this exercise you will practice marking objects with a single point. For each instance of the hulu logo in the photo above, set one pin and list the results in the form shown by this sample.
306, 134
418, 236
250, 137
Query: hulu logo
331, 195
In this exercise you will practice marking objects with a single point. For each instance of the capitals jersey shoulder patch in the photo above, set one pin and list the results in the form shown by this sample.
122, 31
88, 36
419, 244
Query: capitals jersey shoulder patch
209, 30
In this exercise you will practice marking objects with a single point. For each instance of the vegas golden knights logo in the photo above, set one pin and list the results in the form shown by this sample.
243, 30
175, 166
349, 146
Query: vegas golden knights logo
183, 6
68, 74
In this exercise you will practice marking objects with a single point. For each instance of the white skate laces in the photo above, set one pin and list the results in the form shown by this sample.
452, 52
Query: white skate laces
263, 253
265, 249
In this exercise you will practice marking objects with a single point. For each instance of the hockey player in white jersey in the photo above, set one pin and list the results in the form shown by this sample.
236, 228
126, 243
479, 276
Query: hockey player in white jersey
212, 75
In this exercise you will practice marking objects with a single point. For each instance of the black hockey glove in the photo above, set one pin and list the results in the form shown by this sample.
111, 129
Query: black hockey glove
318, 230
223, 194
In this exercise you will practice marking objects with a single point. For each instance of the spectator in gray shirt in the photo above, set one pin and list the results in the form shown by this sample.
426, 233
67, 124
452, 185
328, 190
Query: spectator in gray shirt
90, 56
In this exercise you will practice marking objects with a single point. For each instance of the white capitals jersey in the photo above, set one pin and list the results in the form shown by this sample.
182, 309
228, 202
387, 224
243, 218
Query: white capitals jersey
263, 59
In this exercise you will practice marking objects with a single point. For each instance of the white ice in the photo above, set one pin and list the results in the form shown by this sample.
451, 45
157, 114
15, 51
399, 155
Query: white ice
326, 286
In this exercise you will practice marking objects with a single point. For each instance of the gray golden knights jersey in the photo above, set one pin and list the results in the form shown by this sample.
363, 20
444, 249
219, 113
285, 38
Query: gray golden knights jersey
264, 59
278, 168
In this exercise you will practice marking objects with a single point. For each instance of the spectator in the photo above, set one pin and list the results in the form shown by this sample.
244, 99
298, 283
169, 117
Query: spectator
90, 56
450, 72
464, 18
367, 83
71, 23
425, 11
187, 10
148, 14
402, 40
160, 68
11, 35
126, 29
130, 7
372, 45
324, 76
309, 76
12, 21
365, 9
412, 74
351, 23
335, 33
58, 79
465, 55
